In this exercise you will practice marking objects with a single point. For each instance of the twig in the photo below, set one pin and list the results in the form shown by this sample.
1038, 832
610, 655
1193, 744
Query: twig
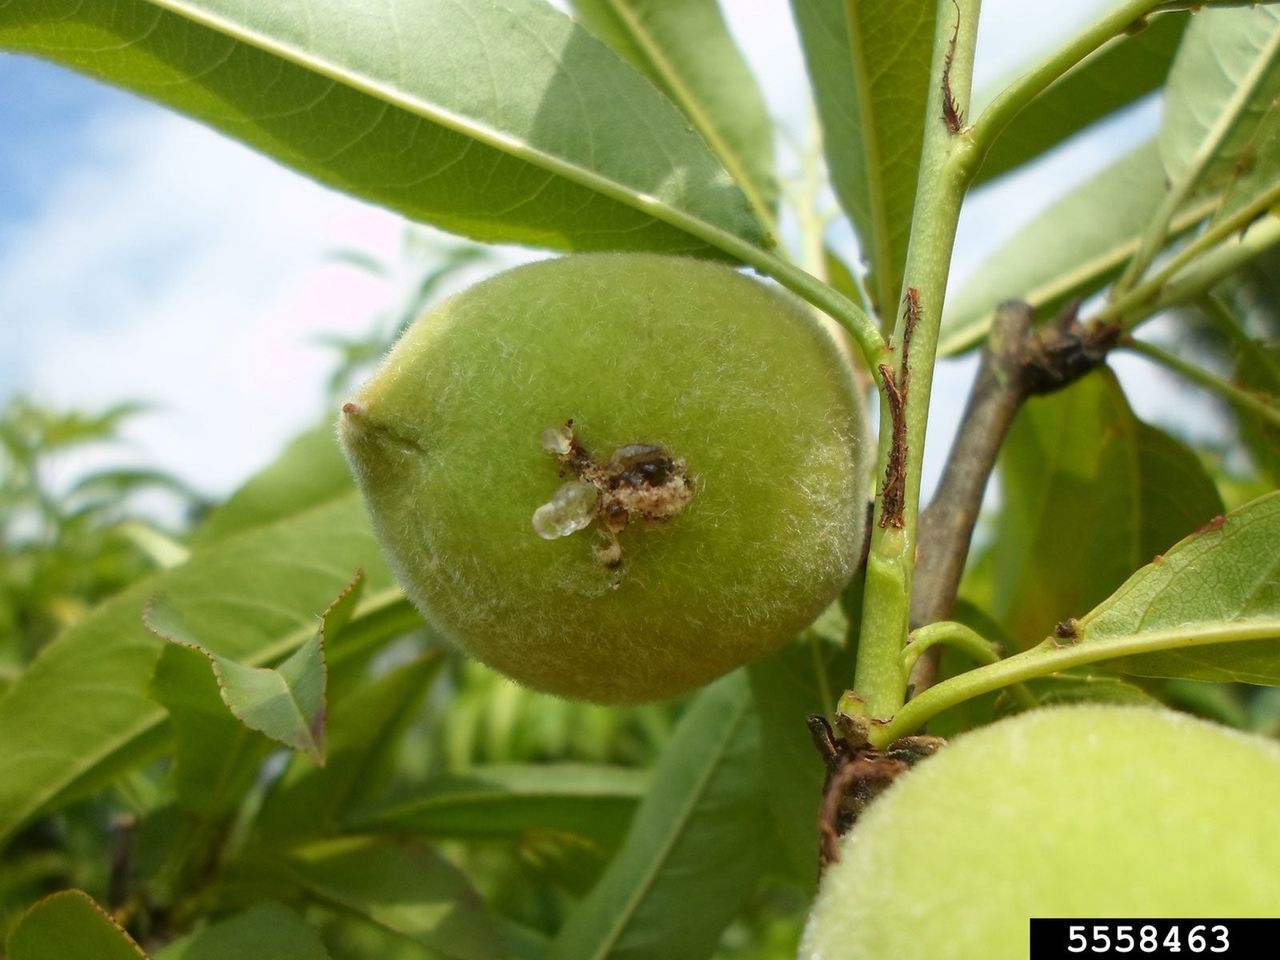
1017, 362
946, 526
946, 169
1052, 656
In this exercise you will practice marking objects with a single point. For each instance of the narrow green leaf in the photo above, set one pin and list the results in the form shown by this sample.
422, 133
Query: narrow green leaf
686, 50
507, 802
265, 931
285, 703
802, 679
406, 889
500, 120
70, 926
1070, 250
362, 728
1113, 77
869, 65
335, 618
1090, 494
1220, 91
255, 596
693, 853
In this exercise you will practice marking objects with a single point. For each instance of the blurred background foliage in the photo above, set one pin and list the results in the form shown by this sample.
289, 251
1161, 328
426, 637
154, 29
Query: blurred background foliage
527, 796
457, 815
68, 542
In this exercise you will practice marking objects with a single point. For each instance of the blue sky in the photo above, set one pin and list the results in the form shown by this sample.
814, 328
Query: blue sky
143, 256
44, 111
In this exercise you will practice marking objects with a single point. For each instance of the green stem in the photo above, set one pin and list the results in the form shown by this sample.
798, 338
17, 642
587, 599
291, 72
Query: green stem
1209, 270
948, 163
1217, 232
1030, 85
968, 641
1051, 658
1243, 400
965, 639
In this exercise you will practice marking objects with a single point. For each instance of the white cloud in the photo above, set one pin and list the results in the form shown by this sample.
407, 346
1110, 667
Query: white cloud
172, 265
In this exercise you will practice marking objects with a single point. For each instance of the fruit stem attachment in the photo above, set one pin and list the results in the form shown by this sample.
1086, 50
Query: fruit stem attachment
948, 164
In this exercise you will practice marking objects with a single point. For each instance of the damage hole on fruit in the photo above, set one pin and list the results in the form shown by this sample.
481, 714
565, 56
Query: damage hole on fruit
639, 482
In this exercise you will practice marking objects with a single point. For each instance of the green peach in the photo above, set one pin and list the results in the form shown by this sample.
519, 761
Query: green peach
720, 443
1085, 811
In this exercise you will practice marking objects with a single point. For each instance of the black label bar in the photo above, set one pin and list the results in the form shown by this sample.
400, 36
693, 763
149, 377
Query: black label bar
1151, 939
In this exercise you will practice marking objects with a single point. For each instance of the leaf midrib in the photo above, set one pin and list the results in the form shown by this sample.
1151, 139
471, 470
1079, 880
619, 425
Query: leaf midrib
434, 113
1267, 59
873, 172
692, 108
681, 821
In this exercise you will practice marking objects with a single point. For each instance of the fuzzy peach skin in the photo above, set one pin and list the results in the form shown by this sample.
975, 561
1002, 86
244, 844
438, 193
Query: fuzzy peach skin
1083, 811
735, 378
